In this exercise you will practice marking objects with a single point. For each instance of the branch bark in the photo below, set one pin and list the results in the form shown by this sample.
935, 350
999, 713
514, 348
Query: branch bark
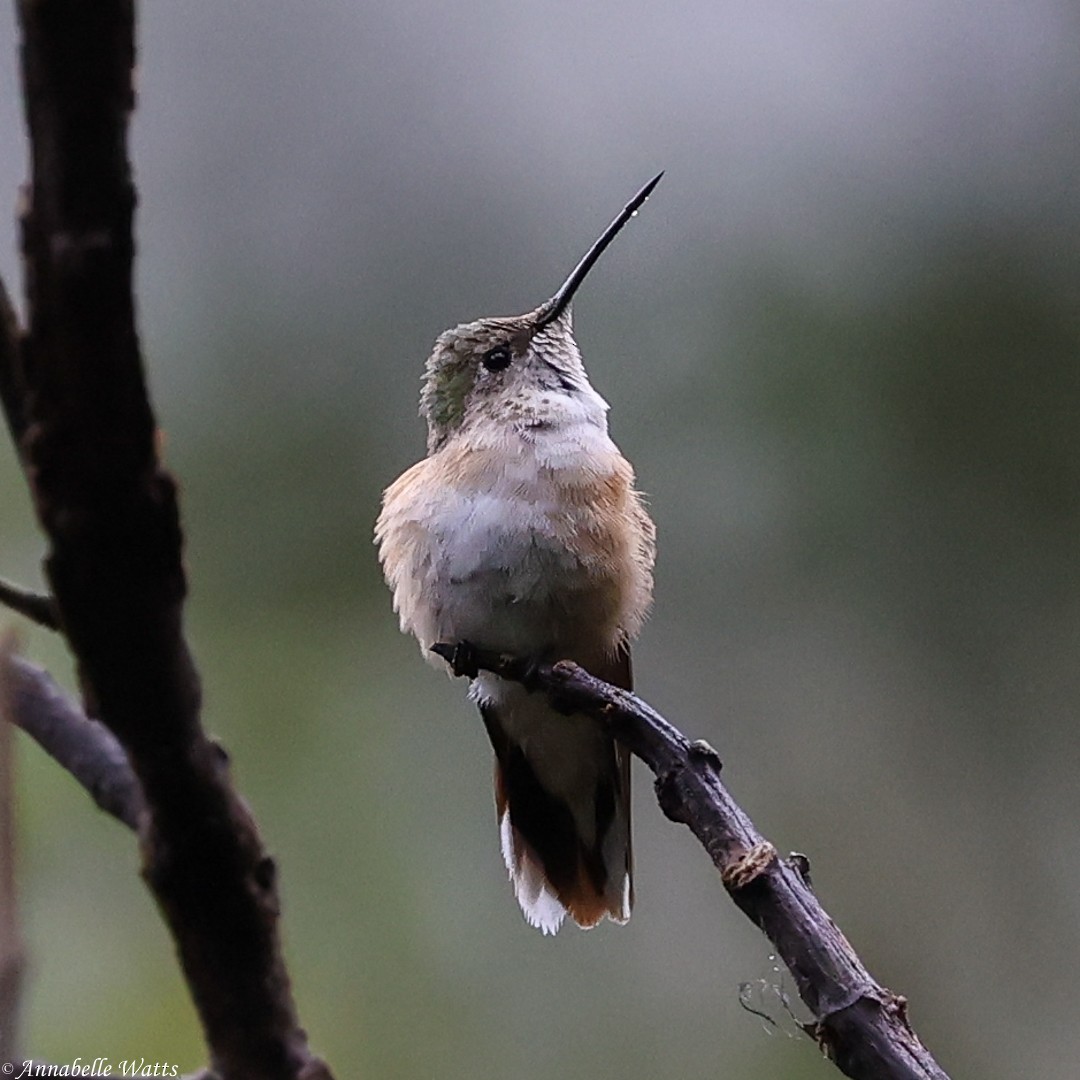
11, 945
11, 387
75, 398
31, 700
35, 606
861, 1026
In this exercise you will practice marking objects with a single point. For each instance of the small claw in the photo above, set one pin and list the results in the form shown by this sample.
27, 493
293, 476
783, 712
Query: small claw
461, 657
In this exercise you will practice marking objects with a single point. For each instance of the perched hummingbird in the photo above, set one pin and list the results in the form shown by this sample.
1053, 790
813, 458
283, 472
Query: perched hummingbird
521, 532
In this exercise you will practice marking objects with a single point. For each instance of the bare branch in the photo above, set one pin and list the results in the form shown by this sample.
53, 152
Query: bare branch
11, 945
37, 607
861, 1026
31, 700
110, 513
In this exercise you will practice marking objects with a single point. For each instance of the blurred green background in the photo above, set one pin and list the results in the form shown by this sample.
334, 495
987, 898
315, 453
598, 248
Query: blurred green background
841, 348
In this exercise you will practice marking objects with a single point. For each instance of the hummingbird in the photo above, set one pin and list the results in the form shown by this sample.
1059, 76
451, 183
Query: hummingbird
522, 532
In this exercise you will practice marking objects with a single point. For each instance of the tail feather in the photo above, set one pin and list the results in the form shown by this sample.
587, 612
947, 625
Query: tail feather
562, 793
540, 905
554, 871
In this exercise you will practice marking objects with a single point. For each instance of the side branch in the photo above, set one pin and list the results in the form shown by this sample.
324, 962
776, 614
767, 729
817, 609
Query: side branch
862, 1026
12, 954
37, 607
31, 700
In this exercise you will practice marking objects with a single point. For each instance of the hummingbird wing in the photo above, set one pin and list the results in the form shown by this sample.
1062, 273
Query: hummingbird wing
562, 793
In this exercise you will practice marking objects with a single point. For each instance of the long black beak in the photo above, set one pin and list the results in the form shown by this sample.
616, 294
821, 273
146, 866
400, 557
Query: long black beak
553, 308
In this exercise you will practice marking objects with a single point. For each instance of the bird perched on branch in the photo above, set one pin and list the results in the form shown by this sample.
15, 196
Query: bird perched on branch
522, 532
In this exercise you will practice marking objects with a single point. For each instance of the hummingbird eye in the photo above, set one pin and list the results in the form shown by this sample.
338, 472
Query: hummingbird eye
497, 358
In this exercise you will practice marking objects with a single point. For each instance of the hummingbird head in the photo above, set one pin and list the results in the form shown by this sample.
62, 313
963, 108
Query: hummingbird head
518, 367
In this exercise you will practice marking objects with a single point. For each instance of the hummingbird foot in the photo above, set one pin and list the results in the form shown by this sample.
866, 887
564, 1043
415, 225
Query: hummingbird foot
462, 659
531, 672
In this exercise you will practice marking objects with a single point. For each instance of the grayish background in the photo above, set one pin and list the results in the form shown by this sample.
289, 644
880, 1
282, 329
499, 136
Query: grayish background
840, 345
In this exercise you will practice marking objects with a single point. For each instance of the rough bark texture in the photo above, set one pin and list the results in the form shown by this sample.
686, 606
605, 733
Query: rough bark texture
75, 397
861, 1026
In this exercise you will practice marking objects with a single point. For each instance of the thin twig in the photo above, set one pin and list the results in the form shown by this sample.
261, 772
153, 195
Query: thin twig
31, 700
37, 607
861, 1026
11, 944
